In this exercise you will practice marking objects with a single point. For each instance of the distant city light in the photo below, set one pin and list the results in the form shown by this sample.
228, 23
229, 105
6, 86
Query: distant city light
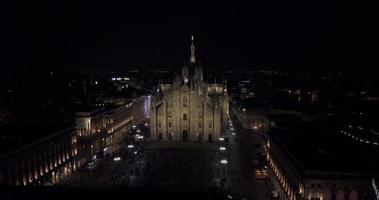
224, 161
221, 139
222, 148
116, 158
130, 146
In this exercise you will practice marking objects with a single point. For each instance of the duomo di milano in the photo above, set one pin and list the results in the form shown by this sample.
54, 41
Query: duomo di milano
189, 109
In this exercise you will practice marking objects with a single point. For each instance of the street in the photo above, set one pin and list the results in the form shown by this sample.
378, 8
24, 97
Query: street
243, 154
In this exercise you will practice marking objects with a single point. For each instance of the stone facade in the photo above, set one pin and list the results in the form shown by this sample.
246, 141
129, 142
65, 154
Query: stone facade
43, 162
50, 159
293, 182
189, 109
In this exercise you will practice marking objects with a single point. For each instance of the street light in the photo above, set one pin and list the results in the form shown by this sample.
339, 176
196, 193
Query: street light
222, 148
116, 159
130, 146
221, 139
224, 161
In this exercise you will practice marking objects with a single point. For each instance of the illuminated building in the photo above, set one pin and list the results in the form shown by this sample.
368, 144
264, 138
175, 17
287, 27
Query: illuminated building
47, 160
312, 162
102, 130
189, 109
34, 162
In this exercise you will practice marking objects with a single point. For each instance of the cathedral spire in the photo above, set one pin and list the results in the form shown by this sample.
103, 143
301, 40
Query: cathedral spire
192, 58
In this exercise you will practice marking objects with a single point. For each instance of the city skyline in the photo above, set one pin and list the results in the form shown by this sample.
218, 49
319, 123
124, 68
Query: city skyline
186, 100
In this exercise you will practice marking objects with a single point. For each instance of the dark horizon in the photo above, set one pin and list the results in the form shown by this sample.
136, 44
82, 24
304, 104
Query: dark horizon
113, 35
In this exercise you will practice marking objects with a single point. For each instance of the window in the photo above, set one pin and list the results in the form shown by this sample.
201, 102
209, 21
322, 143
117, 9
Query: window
200, 115
160, 136
199, 124
169, 124
184, 116
185, 102
169, 114
210, 124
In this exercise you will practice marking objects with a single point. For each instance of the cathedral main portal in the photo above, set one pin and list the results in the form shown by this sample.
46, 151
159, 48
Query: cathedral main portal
185, 135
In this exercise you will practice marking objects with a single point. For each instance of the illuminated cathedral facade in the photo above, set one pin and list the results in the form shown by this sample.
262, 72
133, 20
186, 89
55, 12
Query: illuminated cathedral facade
189, 109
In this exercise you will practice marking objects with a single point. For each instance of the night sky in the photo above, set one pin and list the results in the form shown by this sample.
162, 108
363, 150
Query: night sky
118, 34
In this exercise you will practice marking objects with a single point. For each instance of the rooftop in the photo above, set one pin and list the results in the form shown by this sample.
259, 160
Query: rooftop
318, 145
17, 135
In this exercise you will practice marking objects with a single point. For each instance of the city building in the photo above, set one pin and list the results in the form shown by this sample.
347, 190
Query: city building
189, 109
41, 162
38, 157
100, 131
315, 160
252, 114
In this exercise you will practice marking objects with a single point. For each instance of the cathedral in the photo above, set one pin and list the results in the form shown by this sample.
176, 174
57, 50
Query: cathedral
189, 109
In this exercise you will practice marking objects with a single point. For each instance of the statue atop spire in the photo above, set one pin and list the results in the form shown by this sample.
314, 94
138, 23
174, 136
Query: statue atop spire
192, 58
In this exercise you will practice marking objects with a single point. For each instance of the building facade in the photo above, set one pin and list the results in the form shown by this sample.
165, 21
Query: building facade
102, 131
292, 181
189, 109
53, 158
43, 162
